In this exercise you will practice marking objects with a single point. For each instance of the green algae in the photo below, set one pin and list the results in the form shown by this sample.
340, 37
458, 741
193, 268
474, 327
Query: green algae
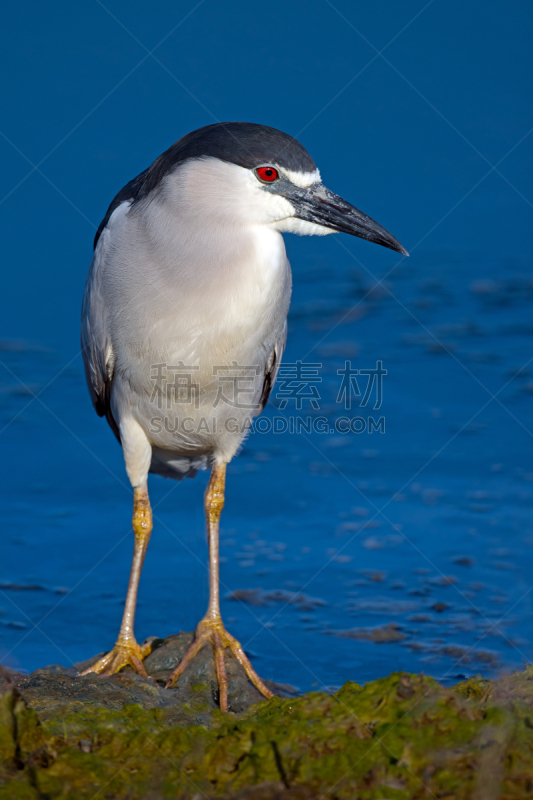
400, 737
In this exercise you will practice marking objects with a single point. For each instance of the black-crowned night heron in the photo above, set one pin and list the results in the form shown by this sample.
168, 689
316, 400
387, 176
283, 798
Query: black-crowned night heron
190, 280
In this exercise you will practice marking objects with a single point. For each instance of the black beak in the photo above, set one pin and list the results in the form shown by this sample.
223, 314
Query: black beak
317, 204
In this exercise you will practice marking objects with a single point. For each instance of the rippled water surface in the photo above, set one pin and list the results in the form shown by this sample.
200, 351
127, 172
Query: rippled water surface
344, 555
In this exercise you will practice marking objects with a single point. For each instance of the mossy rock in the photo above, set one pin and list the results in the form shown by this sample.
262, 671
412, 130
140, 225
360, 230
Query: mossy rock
401, 737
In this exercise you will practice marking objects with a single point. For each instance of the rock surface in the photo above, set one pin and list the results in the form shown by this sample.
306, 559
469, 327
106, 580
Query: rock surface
64, 737
57, 689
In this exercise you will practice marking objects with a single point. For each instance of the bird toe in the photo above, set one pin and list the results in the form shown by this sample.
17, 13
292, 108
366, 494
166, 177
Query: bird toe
123, 655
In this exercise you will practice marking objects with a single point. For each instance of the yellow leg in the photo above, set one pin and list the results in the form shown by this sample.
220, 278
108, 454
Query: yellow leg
211, 628
126, 650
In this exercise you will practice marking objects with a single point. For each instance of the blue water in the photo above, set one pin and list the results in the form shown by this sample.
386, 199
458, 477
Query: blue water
373, 528
327, 537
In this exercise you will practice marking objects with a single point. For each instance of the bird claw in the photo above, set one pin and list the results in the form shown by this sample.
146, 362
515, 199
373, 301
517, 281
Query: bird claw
123, 654
212, 631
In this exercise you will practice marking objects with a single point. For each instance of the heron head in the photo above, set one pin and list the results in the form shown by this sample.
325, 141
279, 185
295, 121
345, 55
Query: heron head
243, 173
317, 210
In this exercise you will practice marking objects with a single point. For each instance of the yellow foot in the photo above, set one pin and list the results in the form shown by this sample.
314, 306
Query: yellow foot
120, 656
212, 631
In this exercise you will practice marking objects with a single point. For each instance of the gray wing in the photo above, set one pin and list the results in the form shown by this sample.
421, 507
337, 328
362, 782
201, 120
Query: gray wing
128, 194
96, 346
272, 367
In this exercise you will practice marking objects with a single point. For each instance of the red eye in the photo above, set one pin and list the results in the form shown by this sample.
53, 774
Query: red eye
267, 174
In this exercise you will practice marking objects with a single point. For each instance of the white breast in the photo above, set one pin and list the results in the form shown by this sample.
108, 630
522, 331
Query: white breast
184, 289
